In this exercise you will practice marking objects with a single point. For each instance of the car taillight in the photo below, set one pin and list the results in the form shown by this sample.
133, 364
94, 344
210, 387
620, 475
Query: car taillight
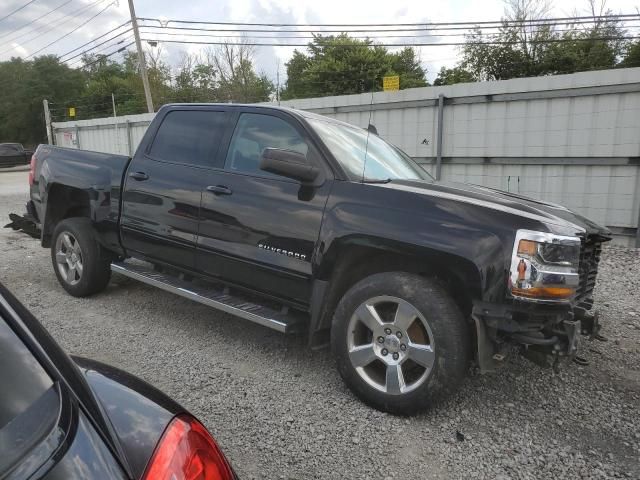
187, 452
32, 169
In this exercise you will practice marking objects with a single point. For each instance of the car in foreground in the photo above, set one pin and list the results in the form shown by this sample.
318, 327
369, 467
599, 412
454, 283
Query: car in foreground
74, 418
297, 221
14, 154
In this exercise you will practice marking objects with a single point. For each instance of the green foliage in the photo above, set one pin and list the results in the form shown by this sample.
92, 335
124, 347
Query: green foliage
340, 65
450, 76
23, 87
632, 56
218, 76
528, 46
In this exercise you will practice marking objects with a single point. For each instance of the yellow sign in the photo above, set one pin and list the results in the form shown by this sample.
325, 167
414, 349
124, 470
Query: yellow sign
72, 111
391, 83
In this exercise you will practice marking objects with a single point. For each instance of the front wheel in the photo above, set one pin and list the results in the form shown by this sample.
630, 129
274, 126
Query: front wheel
400, 342
82, 266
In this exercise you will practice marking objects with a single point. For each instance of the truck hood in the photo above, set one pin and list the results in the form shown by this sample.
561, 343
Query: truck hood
548, 213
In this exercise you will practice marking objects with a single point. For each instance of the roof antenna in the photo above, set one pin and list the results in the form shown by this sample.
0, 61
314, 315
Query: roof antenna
370, 128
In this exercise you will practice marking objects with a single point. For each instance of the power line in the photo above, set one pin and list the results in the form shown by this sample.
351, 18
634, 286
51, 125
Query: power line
595, 18
276, 35
36, 19
52, 26
79, 61
102, 57
392, 45
97, 52
17, 10
98, 38
424, 28
69, 33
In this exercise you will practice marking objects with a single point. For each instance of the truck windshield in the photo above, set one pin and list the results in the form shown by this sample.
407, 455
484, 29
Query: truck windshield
384, 161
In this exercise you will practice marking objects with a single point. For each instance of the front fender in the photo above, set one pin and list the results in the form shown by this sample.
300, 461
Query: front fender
420, 228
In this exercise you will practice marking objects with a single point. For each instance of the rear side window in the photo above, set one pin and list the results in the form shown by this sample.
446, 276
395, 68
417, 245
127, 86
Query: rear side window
189, 137
253, 134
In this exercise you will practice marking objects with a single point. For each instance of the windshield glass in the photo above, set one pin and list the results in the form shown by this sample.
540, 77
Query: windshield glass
383, 160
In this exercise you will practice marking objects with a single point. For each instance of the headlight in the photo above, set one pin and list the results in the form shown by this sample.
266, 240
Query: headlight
544, 266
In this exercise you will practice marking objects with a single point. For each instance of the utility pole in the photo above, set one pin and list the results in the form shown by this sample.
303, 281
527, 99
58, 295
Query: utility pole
47, 121
278, 84
141, 60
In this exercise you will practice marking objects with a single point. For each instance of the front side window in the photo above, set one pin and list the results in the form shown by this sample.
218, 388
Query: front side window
191, 137
253, 134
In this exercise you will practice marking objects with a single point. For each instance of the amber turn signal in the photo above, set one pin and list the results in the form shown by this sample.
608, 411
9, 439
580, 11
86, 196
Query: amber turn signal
545, 293
528, 248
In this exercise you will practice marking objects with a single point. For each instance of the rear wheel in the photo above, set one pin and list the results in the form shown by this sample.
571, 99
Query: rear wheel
81, 264
400, 342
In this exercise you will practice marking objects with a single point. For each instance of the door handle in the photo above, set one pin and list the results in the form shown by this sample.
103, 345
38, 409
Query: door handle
219, 189
139, 176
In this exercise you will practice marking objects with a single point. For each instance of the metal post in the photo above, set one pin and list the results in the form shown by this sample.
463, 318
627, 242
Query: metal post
278, 83
77, 136
115, 121
440, 134
47, 121
141, 60
129, 142
638, 224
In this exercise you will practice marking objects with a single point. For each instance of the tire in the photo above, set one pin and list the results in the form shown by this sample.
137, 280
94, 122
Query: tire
82, 266
391, 362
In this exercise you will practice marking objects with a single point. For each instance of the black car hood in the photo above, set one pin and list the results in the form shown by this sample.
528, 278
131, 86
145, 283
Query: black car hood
138, 412
508, 202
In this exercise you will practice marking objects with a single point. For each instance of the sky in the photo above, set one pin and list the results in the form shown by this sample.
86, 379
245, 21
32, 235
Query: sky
31, 38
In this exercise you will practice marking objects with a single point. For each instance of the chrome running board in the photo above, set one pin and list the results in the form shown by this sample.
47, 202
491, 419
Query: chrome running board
217, 297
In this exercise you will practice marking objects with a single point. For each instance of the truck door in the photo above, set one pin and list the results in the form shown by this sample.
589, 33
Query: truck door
163, 185
258, 229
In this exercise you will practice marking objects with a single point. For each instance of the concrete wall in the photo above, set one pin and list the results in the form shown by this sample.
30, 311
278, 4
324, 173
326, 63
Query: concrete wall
570, 139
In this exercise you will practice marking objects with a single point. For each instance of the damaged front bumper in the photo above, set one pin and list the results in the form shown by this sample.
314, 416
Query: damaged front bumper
545, 333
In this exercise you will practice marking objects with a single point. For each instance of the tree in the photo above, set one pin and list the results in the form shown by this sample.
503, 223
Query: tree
528, 45
596, 47
450, 76
24, 85
237, 81
632, 56
339, 65
518, 47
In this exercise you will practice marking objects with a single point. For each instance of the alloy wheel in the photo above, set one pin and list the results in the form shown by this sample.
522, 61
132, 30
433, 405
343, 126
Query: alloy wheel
69, 258
390, 345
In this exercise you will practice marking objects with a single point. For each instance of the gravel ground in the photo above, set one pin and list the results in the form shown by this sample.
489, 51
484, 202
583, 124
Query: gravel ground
280, 410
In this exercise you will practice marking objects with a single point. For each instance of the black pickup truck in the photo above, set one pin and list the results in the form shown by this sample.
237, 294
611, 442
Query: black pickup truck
298, 221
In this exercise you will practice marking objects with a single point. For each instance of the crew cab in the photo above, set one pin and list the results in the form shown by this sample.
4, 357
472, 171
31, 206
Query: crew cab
298, 221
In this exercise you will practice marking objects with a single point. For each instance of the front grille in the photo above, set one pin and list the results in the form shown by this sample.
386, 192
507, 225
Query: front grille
588, 270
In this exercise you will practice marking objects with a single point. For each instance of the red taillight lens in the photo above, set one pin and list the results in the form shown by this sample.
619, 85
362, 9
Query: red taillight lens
187, 452
32, 169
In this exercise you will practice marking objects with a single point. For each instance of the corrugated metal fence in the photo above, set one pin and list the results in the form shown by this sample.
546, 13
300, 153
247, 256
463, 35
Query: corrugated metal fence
570, 139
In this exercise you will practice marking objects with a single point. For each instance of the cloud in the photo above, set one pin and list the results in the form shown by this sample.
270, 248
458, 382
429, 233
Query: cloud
15, 40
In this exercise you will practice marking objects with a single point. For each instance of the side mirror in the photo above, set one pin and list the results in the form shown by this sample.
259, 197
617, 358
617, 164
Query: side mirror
288, 164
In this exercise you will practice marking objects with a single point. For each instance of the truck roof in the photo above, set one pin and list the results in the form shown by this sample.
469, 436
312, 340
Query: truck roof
295, 111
